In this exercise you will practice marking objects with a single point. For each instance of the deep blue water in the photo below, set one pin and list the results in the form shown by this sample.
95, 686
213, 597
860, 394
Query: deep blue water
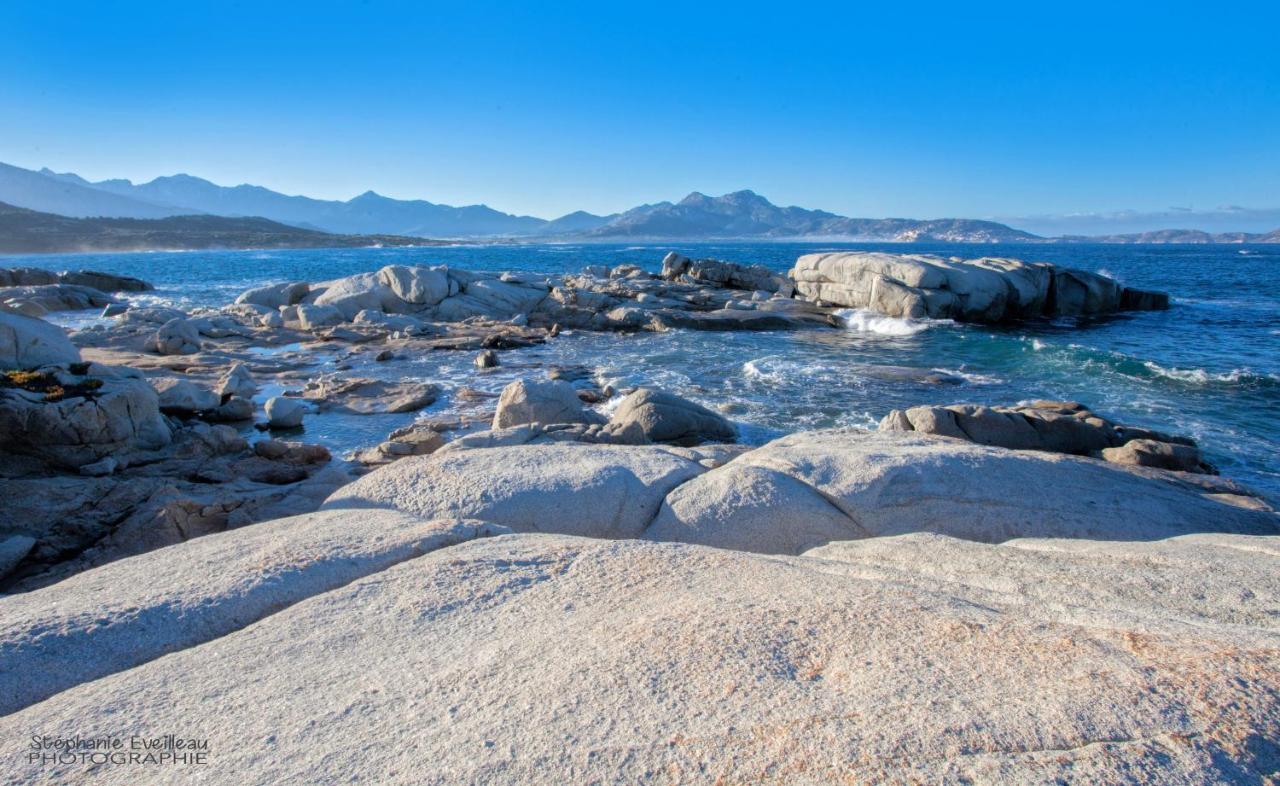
1208, 367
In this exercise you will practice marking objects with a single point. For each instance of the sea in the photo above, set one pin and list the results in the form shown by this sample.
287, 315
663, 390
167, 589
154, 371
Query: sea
1209, 367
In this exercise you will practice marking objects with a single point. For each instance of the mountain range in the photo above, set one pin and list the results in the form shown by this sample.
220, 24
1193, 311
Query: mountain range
741, 214
24, 231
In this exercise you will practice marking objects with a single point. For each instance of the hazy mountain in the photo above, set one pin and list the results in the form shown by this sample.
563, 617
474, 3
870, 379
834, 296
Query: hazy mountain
747, 214
1176, 236
24, 231
185, 194
575, 222
67, 195
741, 214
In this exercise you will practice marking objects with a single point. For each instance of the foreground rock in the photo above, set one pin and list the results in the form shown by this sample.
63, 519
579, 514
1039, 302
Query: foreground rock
918, 286
1058, 426
71, 420
554, 659
169, 600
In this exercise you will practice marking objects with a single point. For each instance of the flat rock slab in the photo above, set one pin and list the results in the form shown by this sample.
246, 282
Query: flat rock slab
547, 659
134, 610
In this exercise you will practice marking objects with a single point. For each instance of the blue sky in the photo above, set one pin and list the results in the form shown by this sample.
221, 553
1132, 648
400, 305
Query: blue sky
893, 110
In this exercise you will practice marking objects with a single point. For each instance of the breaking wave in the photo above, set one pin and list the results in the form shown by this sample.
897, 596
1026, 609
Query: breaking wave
864, 320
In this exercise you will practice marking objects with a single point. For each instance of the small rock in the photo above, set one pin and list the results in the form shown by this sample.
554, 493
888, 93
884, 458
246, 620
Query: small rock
233, 410
284, 413
487, 359
237, 382
175, 337
384, 356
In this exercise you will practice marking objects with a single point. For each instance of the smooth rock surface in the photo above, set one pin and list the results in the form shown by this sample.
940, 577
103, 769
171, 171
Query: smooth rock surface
892, 483
665, 417
27, 342
604, 491
918, 286
545, 659
132, 611
532, 401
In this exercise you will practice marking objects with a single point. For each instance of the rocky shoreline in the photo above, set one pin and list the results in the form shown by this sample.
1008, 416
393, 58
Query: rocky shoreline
736, 612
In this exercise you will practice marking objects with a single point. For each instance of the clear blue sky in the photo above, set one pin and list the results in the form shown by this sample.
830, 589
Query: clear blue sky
900, 109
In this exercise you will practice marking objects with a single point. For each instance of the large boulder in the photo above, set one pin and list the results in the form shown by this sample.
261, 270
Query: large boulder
548, 660
921, 286
665, 417
1058, 426
605, 491
890, 483
276, 295
418, 286
105, 282
532, 401
176, 337
354, 294
491, 298
119, 416
27, 342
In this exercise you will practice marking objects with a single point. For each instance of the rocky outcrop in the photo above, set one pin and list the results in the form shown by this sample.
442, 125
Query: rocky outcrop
751, 278
54, 297
918, 286
665, 417
551, 659
1057, 426
27, 342
103, 282
101, 415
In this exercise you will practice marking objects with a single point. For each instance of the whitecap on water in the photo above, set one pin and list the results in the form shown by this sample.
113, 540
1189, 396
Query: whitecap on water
864, 320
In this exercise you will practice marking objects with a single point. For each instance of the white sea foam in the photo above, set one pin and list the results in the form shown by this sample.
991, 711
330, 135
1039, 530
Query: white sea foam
864, 320
1198, 376
971, 377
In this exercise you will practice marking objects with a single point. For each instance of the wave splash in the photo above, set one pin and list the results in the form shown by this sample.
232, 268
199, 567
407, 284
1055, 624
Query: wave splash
864, 320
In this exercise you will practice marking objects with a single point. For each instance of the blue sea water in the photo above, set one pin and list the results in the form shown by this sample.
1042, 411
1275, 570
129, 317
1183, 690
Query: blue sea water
1208, 367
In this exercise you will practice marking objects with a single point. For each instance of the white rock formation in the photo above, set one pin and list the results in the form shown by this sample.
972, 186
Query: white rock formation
605, 491
284, 412
531, 401
27, 342
546, 659
917, 286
